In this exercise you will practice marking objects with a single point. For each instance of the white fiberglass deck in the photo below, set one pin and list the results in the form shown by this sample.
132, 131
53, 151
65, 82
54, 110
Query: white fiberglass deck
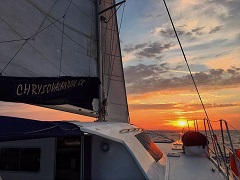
188, 167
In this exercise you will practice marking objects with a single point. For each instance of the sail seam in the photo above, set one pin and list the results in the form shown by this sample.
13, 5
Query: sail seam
113, 60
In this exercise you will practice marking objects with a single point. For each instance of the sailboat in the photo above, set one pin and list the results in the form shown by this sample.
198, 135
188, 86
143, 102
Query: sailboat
65, 55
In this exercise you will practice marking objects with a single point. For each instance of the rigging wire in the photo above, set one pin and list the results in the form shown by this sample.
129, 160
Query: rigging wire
48, 18
82, 10
45, 17
104, 36
39, 31
26, 41
13, 56
191, 74
61, 55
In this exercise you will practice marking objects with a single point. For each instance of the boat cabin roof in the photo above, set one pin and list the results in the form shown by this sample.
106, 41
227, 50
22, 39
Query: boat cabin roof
13, 128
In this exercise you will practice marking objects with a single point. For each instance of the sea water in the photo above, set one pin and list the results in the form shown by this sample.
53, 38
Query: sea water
171, 136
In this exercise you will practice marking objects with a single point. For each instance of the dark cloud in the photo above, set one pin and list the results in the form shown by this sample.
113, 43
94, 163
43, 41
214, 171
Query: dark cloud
231, 71
216, 72
198, 30
135, 74
150, 50
217, 28
129, 49
171, 34
139, 46
153, 50
149, 78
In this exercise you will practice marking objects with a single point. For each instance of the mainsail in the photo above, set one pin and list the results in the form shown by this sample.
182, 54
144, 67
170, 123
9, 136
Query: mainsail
49, 55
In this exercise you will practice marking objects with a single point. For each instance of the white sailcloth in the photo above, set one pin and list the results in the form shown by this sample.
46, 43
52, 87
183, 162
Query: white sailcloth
114, 83
48, 38
55, 39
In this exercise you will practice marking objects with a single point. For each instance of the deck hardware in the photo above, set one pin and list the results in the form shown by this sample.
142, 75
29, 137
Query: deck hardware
105, 147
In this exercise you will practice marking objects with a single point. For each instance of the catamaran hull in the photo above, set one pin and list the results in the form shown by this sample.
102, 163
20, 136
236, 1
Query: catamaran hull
99, 151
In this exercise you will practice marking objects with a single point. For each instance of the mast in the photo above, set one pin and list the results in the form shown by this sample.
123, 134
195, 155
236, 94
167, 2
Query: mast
101, 116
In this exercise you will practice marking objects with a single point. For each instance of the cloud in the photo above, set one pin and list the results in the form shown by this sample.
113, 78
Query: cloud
180, 106
153, 50
196, 107
140, 72
198, 30
181, 31
151, 78
152, 16
149, 50
216, 29
129, 49
169, 32
151, 106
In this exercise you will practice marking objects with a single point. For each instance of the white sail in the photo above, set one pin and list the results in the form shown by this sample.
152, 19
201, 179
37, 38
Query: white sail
62, 38
114, 84
47, 39
49, 56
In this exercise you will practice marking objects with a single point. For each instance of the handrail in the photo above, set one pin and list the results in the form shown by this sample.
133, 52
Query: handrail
131, 130
218, 151
236, 159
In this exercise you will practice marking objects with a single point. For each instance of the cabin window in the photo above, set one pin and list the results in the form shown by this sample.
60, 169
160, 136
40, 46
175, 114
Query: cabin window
20, 159
150, 146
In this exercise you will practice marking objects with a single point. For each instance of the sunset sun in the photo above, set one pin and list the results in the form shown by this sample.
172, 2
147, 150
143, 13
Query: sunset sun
181, 123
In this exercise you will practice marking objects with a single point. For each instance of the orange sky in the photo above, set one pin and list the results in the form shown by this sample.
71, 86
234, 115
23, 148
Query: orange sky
161, 110
158, 116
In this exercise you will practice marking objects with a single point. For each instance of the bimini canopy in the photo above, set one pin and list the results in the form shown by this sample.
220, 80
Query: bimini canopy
12, 128
194, 138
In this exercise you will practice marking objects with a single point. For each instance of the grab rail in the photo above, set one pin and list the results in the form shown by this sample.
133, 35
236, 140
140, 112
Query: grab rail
218, 151
231, 150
